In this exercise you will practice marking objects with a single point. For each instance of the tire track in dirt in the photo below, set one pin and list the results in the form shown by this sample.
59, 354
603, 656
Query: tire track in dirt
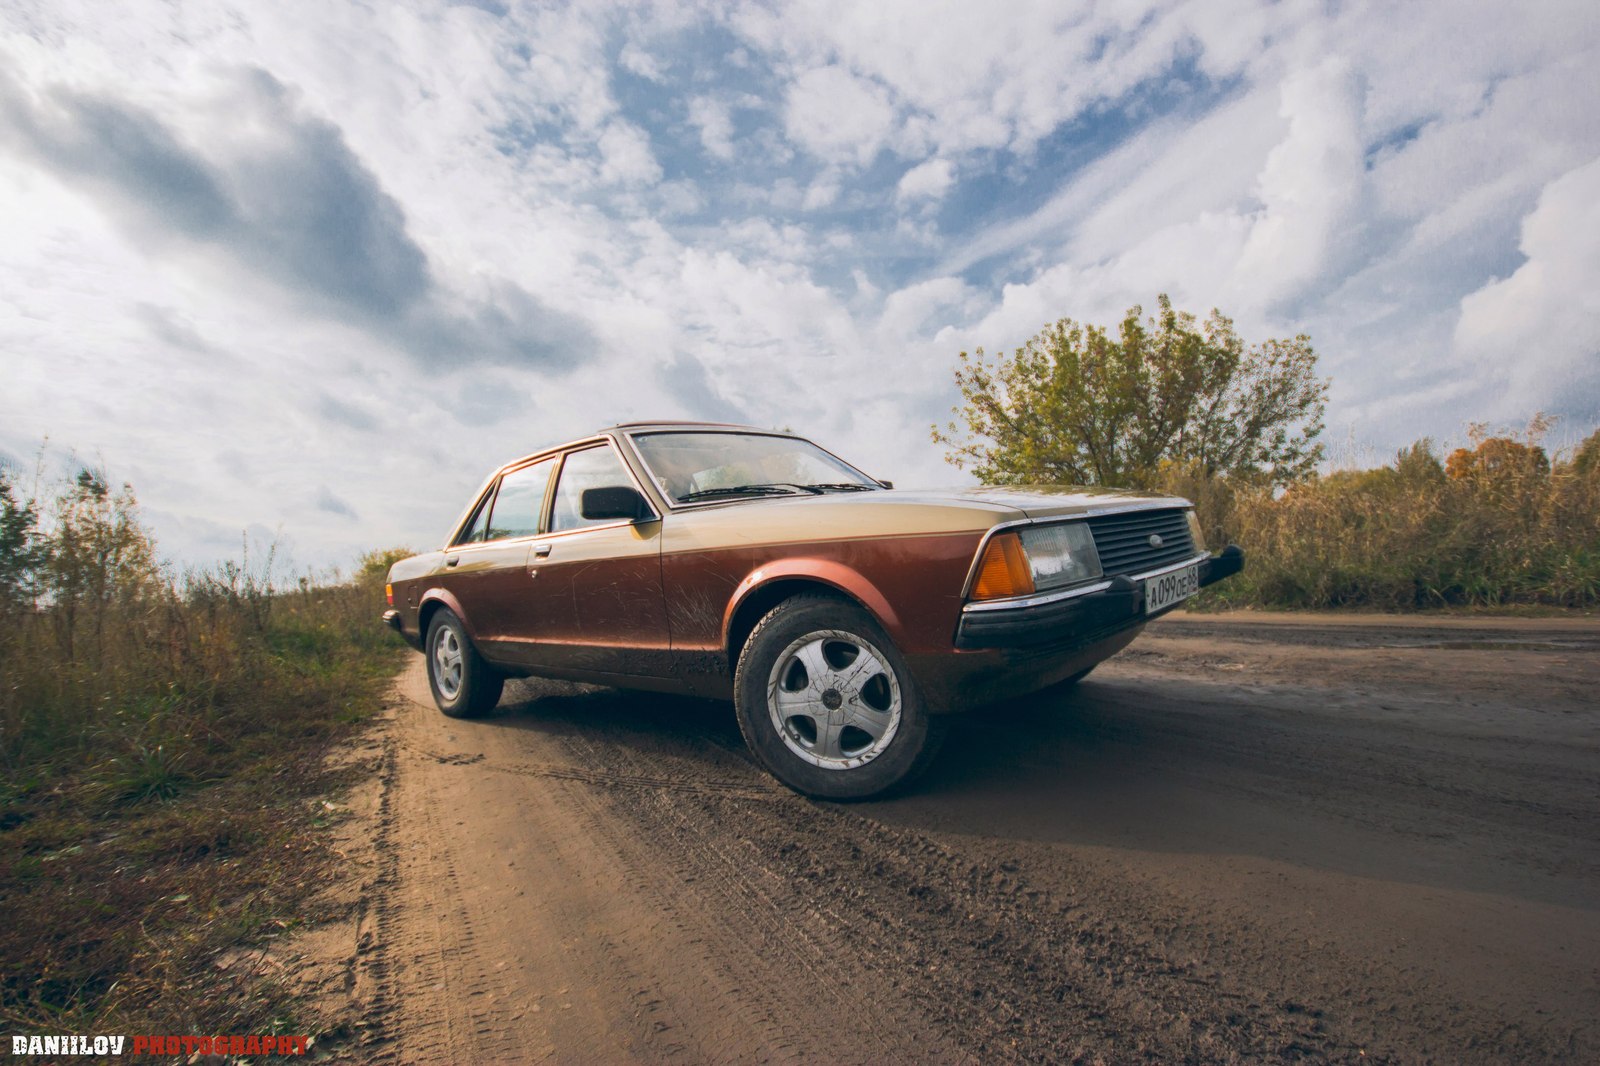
664, 965
970, 943
770, 940
422, 936
444, 952
370, 979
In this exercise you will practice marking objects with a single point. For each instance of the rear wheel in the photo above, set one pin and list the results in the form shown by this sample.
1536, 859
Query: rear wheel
464, 686
825, 701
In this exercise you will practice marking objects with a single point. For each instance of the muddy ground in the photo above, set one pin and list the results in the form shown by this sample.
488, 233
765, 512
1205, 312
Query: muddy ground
1246, 838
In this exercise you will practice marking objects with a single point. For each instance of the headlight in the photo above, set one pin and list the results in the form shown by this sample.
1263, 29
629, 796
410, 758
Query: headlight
1035, 558
1060, 554
1194, 531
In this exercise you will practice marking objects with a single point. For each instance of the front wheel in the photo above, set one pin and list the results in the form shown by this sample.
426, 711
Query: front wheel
464, 686
825, 701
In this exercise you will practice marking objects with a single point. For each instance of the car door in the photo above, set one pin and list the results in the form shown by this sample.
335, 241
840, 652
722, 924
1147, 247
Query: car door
598, 582
487, 568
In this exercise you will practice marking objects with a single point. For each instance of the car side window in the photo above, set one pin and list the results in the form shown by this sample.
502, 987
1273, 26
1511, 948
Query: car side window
479, 524
519, 504
592, 468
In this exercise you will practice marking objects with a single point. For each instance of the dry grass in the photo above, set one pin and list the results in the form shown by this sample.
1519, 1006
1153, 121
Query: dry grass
1497, 524
161, 741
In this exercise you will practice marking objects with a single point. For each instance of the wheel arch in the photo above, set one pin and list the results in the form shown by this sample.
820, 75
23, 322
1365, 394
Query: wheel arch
435, 600
770, 585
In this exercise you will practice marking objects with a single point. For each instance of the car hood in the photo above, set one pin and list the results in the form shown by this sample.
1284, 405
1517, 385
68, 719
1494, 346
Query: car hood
894, 512
1031, 501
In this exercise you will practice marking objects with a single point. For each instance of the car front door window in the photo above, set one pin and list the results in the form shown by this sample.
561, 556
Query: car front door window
592, 468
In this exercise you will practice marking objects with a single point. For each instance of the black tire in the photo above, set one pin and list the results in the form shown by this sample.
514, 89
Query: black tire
858, 728
469, 692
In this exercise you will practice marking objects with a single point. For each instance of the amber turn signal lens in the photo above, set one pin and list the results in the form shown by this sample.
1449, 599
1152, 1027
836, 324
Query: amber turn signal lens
388, 594
1004, 570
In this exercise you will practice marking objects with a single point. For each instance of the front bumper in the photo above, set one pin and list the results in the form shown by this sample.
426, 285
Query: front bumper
1077, 617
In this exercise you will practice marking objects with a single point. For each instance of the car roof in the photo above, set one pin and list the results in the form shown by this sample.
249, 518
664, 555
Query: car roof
635, 427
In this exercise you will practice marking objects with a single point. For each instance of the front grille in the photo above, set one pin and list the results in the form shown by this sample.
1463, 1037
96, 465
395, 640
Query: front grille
1123, 540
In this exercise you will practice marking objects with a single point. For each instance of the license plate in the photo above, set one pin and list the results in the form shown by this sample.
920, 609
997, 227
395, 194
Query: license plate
1167, 589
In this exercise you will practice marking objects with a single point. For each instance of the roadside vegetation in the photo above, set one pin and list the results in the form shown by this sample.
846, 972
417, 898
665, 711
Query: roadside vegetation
1173, 404
161, 774
1497, 524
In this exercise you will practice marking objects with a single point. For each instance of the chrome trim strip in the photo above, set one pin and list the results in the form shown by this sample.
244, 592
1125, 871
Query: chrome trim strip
1034, 601
494, 475
559, 453
479, 499
1082, 590
1169, 503
1177, 502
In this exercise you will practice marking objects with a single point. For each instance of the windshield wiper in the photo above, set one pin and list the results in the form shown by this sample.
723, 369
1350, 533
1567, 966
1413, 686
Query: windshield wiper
779, 489
842, 486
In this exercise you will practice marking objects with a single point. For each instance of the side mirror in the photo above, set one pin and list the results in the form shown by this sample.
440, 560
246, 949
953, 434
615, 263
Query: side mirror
613, 501
886, 484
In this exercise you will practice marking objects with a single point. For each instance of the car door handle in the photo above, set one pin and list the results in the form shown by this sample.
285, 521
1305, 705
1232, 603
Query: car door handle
541, 551
453, 560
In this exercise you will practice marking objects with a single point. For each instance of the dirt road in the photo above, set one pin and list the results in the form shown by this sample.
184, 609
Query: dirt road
1243, 839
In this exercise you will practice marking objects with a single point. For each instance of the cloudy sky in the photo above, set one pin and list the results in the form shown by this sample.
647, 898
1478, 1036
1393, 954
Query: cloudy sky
310, 268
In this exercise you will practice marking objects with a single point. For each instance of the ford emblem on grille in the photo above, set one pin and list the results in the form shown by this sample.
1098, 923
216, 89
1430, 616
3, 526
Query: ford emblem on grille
1156, 541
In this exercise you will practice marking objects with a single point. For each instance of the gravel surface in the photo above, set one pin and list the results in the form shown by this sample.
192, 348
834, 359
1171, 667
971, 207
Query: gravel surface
1247, 838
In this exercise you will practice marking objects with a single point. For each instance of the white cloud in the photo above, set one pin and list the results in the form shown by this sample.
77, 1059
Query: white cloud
927, 181
838, 116
907, 313
626, 156
636, 60
1170, 173
971, 76
822, 192
1540, 327
715, 123
1309, 186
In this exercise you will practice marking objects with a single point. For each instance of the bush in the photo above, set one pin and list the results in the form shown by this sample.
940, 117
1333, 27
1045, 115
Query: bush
1495, 524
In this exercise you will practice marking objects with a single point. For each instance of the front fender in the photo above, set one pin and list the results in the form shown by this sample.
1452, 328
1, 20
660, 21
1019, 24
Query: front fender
823, 571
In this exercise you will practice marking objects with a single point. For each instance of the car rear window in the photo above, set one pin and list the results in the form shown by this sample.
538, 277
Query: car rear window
520, 502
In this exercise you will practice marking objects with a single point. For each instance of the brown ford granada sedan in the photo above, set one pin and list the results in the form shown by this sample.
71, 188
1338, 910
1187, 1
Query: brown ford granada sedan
843, 617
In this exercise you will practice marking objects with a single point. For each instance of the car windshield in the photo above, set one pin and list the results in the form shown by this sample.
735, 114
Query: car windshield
690, 467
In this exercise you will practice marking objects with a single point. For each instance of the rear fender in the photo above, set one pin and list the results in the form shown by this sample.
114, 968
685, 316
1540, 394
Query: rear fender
441, 597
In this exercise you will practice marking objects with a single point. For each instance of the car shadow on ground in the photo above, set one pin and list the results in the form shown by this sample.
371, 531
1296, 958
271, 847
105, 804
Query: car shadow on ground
645, 721
1068, 765
1114, 762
